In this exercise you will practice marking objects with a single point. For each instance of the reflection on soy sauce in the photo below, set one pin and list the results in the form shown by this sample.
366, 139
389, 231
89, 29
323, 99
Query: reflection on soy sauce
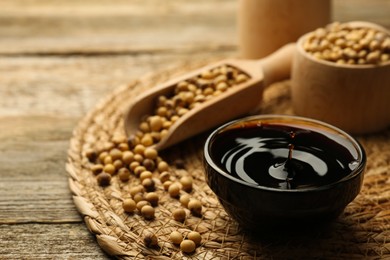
283, 156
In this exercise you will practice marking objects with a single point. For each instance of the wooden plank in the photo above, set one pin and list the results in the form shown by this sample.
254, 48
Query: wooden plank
37, 202
34, 187
48, 241
131, 26
71, 86
149, 26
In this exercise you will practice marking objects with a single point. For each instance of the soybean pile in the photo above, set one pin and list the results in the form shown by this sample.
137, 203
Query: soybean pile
343, 44
134, 158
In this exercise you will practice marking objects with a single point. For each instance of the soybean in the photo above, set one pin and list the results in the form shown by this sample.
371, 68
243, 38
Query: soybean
186, 183
150, 240
195, 206
147, 212
153, 198
104, 179
195, 236
179, 214
129, 205
176, 237
124, 174
174, 190
187, 246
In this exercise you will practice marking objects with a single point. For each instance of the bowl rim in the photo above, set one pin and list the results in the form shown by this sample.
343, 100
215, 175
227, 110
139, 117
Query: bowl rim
307, 55
354, 173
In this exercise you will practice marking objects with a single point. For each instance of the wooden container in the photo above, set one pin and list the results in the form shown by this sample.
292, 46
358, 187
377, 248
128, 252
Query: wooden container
356, 98
266, 25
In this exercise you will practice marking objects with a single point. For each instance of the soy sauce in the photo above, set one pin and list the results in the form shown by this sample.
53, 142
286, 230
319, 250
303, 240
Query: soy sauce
284, 156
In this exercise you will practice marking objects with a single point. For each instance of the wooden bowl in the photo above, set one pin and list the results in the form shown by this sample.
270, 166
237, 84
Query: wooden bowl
356, 98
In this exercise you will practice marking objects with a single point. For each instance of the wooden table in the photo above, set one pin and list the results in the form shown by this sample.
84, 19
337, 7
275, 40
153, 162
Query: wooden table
57, 59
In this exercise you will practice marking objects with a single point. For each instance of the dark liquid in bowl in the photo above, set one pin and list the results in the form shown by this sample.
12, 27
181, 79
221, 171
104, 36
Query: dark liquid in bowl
284, 156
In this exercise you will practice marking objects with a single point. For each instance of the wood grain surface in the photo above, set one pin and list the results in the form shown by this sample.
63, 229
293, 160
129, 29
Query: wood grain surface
57, 59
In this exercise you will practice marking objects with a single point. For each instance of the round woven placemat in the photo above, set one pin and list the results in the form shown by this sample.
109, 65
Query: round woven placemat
362, 231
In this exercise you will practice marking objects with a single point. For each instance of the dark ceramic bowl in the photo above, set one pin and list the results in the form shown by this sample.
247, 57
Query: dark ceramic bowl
255, 206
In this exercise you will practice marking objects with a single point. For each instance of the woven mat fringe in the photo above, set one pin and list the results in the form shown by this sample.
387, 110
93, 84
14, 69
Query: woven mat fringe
363, 230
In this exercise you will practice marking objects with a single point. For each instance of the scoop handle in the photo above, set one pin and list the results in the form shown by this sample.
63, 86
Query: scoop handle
277, 66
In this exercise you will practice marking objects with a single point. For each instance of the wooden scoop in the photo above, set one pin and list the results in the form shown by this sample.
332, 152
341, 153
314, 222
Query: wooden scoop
237, 101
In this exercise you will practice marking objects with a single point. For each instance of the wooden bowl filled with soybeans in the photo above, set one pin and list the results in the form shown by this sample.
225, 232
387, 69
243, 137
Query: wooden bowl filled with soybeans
341, 75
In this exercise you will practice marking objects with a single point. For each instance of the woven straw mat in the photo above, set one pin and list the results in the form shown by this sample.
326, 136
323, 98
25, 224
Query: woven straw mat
361, 232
